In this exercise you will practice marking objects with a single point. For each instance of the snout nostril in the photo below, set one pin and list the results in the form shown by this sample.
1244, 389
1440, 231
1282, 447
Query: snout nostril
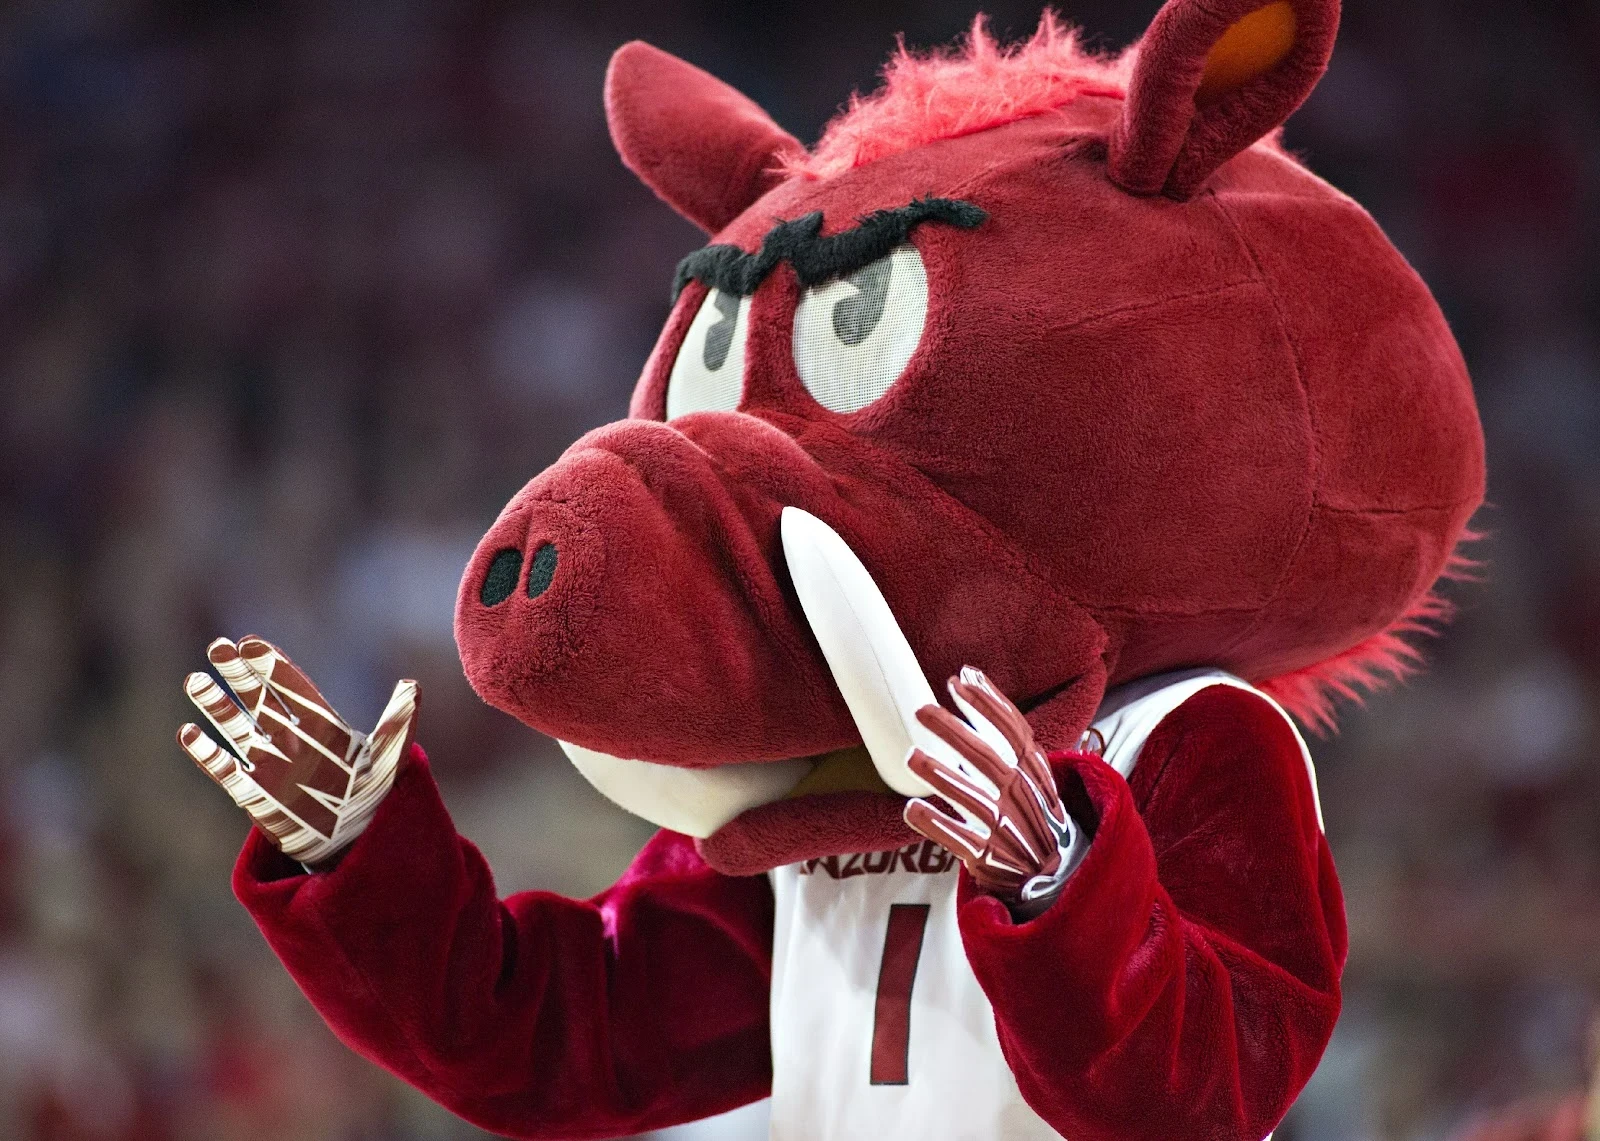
541, 570
502, 577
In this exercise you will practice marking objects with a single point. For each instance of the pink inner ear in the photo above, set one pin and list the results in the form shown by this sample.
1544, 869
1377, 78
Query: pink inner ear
705, 149
1164, 143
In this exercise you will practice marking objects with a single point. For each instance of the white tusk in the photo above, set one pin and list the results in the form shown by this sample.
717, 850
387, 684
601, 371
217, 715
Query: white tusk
872, 663
695, 802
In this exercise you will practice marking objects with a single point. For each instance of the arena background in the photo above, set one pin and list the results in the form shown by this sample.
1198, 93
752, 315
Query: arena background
294, 296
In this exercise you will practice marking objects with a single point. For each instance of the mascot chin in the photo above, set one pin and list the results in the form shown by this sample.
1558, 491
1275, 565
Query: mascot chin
1049, 374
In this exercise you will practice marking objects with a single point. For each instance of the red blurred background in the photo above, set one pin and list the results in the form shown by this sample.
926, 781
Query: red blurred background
293, 296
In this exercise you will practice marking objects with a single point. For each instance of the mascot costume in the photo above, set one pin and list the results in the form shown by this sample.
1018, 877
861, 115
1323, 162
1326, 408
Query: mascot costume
1050, 374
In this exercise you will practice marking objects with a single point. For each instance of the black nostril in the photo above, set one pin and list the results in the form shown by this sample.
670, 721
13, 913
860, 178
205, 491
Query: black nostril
541, 570
502, 577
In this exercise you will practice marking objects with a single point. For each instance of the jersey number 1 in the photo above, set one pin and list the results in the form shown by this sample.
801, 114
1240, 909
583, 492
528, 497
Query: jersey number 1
891, 1019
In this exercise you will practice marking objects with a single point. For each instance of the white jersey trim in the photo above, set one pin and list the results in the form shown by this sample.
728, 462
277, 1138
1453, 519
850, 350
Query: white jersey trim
1131, 712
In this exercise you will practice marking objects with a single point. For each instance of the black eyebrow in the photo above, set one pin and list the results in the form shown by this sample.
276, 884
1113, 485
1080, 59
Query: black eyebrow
817, 259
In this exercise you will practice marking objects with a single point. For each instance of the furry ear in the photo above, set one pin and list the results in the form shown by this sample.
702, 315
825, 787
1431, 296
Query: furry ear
704, 148
1212, 77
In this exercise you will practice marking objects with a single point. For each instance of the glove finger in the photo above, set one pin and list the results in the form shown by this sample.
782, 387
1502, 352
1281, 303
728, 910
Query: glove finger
956, 787
981, 724
223, 768
983, 704
396, 725
974, 690
279, 669
227, 718
247, 685
274, 717
294, 710
379, 760
1036, 811
981, 761
1030, 767
1036, 768
215, 761
1037, 789
1018, 844
946, 831
999, 871
991, 872
977, 697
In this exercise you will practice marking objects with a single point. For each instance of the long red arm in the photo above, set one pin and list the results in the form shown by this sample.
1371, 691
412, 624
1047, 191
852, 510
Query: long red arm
536, 1016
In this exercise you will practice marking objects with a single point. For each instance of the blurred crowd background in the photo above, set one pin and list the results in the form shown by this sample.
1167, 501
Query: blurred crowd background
293, 296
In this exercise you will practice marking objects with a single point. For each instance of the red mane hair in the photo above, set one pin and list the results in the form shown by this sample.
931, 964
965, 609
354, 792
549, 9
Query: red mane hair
1390, 656
949, 92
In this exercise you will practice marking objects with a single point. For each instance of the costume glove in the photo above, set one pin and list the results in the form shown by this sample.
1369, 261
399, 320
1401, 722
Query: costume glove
309, 780
1010, 828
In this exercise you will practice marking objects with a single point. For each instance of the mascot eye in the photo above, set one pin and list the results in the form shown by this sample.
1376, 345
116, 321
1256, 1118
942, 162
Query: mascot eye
708, 375
853, 337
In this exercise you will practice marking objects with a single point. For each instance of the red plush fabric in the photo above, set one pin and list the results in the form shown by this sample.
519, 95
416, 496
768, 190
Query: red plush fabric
1186, 981
670, 631
1184, 984
535, 1016
706, 149
1163, 142
788, 831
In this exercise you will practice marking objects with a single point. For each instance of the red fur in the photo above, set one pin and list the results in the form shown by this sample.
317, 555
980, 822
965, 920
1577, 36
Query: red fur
979, 84
809, 826
706, 149
1311, 695
1247, 435
945, 94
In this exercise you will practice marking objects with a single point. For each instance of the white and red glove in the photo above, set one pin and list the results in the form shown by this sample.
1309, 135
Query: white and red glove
1011, 830
308, 780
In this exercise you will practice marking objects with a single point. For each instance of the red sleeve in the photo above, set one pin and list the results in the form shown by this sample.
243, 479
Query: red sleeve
536, 1015
1186, 981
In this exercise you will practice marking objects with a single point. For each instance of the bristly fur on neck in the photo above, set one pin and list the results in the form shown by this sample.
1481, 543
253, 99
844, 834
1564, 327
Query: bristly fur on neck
1311, 695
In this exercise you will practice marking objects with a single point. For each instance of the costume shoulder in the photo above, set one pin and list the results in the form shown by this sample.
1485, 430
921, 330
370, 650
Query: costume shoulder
1209, 717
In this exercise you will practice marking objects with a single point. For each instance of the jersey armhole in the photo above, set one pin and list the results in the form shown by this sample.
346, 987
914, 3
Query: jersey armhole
1135, 715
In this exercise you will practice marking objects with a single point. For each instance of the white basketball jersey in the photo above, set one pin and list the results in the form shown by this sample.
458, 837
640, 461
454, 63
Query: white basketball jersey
879, 1028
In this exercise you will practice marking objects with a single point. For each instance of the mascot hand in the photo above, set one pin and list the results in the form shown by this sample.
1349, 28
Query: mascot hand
309, 780
1013, 833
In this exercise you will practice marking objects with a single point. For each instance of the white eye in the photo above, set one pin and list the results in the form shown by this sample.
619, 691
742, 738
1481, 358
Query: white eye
708, 375
854, 336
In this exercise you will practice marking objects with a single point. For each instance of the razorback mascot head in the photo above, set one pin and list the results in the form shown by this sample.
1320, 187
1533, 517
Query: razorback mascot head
1094, 379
